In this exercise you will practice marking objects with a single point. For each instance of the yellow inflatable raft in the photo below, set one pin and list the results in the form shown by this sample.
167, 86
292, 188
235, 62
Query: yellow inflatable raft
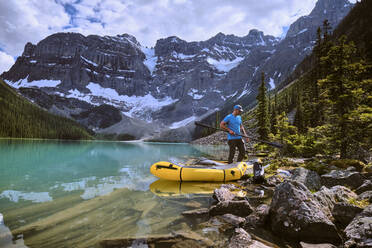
212, 172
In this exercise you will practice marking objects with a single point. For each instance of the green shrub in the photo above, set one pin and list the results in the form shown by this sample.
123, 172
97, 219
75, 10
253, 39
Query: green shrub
316, 166
345, 163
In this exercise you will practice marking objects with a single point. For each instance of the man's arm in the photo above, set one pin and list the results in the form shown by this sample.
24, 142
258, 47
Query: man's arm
242, 129
224, 127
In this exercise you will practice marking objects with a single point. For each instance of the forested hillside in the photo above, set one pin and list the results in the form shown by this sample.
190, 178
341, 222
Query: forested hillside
21, 119
331, 99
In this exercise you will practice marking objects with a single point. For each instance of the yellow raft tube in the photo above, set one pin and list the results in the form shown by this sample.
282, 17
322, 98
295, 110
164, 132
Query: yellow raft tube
211, 173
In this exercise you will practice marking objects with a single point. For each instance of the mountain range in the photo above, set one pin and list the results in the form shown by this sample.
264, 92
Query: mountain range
113, 84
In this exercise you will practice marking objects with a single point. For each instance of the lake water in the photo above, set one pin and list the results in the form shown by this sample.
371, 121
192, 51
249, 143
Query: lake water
75, 194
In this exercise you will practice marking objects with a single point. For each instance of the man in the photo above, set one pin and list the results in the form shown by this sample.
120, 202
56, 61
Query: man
233, 124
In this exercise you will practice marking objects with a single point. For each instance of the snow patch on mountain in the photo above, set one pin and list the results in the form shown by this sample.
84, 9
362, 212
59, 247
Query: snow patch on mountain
89, 61
245, 91
151, 59
224, 65
194, 94
182, 56
38, 83
272, 84
182, 123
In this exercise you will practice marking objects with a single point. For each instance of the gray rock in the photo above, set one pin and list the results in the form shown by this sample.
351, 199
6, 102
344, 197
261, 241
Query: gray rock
366, 196
258, 218
308, 245
351, 168
359, 231
273, 180
233, 219
344, 213
296, 214
309, 178
240, 239
238, 208
223, 194
366, 186
329, 197
350, 179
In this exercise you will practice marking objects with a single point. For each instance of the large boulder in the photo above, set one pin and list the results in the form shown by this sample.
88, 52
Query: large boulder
309, 178
350, 179
295, 213
359, 231
238, 208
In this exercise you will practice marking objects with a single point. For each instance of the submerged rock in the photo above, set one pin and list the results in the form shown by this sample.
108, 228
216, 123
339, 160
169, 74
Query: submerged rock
350, 179
295, 213
196, 213
177, 239
239, 208
359, 231
309, 178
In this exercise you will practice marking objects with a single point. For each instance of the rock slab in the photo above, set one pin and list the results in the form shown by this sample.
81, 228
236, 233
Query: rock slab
295, 213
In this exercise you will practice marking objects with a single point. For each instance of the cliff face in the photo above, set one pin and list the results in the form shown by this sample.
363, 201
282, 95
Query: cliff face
169, 85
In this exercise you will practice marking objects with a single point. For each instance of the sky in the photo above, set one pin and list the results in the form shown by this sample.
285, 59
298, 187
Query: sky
23, 21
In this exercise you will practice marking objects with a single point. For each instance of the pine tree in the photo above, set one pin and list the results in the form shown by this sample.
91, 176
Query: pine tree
262, 110
299, 117
341, 90
273, 115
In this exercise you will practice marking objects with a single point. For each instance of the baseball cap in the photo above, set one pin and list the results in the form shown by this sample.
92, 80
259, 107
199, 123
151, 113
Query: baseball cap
238, 107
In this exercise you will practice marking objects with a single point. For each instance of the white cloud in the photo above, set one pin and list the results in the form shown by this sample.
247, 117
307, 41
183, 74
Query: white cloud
6, 61
28, 20
33, 20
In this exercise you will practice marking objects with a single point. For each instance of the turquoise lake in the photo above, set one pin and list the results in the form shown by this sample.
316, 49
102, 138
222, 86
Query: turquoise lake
75, 194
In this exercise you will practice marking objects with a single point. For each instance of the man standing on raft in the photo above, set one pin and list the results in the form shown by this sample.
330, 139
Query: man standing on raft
233, 124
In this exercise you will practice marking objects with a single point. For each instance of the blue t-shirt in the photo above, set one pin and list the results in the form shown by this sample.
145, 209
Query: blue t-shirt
233, 122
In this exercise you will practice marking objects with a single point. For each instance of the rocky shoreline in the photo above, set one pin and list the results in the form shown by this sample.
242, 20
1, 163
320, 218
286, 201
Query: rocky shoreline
327, 207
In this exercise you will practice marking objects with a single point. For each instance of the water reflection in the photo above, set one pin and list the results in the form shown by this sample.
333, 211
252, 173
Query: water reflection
83, 192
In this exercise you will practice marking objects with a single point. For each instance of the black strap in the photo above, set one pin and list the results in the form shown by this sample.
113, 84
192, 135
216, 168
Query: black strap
224, 175
181, 174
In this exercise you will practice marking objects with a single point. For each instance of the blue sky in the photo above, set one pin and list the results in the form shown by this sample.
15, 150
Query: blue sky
23, 21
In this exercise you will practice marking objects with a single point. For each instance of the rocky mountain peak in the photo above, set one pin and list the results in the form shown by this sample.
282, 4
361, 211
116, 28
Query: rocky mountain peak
324, 6
332, 10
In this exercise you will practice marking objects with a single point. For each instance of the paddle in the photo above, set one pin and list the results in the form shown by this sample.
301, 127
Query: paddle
262, 141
